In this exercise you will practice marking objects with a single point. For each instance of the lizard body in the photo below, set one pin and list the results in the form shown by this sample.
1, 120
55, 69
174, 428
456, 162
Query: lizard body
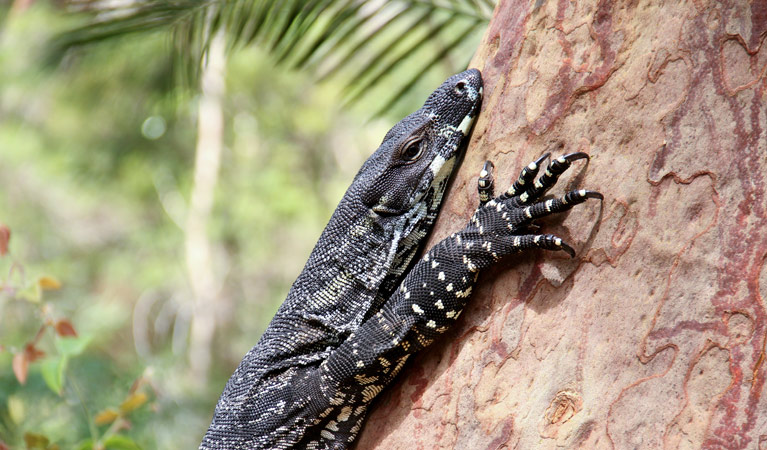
359, 260
362, 306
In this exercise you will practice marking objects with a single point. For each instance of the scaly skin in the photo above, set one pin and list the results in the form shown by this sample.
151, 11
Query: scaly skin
276, 397
360, 309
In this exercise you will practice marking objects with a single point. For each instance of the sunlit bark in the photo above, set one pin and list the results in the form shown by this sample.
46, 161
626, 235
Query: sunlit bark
654, 335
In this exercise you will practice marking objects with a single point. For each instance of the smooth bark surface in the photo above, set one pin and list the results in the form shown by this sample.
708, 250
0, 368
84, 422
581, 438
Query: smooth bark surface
654, 335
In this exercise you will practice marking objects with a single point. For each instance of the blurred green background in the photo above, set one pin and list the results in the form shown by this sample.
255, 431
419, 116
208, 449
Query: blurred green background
126, 298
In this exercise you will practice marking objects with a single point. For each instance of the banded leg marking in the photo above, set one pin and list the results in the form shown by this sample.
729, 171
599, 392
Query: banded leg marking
544, 241
486, 183
550, 176
557, 205
526, 178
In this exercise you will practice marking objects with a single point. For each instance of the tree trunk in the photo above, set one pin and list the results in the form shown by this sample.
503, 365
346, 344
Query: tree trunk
654, 335
203, 279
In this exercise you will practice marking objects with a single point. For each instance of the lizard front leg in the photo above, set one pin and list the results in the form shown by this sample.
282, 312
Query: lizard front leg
434, 293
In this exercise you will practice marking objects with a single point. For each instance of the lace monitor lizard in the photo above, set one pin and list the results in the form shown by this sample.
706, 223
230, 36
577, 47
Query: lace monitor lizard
363, 303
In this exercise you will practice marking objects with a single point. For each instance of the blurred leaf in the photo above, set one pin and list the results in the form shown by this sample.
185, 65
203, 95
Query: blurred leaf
33, 353
384, 60
86, 445
436, 57
20, 367
53, 370
49, 283
134, 401
32, 293
35, 441
72, 346
106, 416
5, 236
120, 442
64, 328
22, 359
137, 383
3, 446
16, 409
319, 35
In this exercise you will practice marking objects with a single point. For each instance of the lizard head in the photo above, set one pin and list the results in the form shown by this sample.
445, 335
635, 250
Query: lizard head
407, 176
395, 197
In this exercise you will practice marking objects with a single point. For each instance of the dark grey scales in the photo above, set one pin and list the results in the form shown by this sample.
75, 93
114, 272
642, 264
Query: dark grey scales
362, 304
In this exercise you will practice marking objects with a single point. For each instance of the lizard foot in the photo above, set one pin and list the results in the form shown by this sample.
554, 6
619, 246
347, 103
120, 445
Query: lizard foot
514, 211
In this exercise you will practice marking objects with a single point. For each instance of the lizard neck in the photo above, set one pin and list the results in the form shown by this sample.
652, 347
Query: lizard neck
361, 255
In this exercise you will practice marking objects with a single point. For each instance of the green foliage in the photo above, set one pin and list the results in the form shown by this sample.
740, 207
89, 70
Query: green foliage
96, 167
365, 42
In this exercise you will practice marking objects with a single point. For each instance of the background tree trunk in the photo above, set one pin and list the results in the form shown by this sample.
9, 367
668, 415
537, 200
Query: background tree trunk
654, 335
204, 281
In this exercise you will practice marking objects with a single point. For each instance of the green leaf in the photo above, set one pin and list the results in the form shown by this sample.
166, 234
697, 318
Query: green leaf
322, 36
424, 68
16, 409
85, 445
53, 370
72, 346
120, 442
363, 42
31, 293
388, 60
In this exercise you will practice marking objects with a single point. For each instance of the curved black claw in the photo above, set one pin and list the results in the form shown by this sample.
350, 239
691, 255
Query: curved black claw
567, 249
594, 194
542, 158
576, 197
485, 183
570, 157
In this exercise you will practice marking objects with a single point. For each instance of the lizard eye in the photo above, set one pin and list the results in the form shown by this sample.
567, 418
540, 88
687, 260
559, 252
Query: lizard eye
412, 150
460, 88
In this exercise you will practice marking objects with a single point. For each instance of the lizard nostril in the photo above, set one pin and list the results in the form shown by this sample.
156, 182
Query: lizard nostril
460, 87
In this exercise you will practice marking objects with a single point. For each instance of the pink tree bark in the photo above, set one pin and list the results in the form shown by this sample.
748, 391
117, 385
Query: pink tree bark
654, 335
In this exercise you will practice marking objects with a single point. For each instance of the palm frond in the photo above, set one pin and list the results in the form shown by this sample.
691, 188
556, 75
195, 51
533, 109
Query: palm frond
388, 57
447, 48
362, 41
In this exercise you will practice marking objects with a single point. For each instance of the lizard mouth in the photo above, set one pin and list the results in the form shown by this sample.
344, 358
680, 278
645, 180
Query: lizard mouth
468, 121
385, 211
